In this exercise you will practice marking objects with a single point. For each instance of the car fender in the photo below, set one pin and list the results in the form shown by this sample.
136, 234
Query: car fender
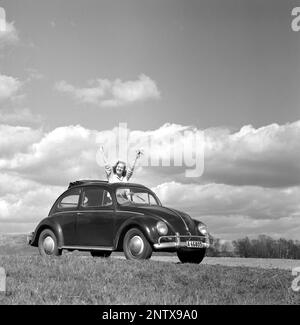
48, 223
146, 225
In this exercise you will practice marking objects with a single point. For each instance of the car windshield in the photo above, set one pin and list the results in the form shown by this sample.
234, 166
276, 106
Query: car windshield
135, 196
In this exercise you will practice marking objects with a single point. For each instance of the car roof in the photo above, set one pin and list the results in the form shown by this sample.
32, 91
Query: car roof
86, 182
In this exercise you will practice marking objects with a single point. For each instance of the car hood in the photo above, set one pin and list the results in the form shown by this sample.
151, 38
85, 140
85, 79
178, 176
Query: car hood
178, 220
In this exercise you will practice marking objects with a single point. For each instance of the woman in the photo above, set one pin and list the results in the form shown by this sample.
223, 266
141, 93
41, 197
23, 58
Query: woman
119, 172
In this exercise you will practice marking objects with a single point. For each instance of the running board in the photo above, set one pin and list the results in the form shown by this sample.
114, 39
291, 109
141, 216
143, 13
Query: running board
92, 248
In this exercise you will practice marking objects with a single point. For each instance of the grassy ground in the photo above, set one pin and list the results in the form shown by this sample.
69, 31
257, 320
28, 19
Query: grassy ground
77, 279
11, 244
73, 279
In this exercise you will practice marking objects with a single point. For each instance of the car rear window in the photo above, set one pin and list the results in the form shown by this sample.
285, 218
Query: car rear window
69, 200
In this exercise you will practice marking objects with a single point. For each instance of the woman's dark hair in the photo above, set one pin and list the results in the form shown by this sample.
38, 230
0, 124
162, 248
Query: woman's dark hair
124, 170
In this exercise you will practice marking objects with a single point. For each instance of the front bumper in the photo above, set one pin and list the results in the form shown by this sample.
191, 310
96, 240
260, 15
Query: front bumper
29, 238
179, 241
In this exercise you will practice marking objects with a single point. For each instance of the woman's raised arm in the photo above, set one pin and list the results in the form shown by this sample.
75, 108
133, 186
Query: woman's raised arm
130, 169
107, 167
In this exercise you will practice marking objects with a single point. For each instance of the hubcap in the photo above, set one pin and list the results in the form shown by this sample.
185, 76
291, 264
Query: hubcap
48, 245
136, 245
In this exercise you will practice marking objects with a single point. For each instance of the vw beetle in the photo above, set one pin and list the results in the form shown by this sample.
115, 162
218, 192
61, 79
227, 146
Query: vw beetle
100, 217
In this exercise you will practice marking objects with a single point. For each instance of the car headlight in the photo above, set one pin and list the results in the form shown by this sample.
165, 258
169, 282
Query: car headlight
162, 228
202, 229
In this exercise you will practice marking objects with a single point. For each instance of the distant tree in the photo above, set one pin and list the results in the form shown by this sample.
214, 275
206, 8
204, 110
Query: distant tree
219, 247
214, 248
267, 247
243, 247
261, 247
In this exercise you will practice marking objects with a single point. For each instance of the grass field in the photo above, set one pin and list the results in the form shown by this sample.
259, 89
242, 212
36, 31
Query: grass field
77, 279
72, 279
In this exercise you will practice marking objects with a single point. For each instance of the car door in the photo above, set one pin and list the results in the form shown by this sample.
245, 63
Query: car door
95, 218
65, 212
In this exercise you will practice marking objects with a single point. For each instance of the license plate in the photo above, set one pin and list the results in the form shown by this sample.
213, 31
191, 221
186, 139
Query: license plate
194, 244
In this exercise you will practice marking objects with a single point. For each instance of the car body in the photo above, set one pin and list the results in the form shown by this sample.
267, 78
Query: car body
101, 217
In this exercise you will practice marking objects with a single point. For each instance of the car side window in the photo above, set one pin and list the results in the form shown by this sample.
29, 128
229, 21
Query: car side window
151, 200
96, 198
70, 200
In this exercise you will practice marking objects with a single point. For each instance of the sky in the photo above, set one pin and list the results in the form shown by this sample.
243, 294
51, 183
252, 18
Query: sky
71, 71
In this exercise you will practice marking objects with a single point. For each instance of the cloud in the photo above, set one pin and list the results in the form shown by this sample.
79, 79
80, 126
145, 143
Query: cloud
9, 87
10, 99
237, 211
55, 158
267, 156
8, 35
222, 199
16, 139
25, 201
19, 116
45, 162
106, 93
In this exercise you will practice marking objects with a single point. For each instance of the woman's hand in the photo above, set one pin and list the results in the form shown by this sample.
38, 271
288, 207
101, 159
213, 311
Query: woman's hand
139, 153
101, 149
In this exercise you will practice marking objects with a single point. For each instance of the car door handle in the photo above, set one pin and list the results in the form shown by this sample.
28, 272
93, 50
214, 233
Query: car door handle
79, 213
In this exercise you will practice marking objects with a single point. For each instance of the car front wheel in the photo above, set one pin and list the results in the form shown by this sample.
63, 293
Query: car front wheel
136, 246
191, 256
100, 253
48, 243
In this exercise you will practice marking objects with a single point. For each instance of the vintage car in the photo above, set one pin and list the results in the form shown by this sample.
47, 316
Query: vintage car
100, 217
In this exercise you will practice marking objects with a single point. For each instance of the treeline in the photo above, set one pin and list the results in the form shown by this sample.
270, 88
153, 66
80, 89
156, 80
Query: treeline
261, 247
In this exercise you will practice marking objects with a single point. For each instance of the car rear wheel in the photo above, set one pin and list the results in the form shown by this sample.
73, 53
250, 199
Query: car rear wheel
100, 253
48, 243
136, 246
194, 256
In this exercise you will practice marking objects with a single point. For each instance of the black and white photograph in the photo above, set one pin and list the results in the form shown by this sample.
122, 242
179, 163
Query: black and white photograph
149, 155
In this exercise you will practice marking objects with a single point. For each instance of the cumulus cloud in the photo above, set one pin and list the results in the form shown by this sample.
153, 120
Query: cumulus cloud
106, 93
263, 157
250, 180
10, 99
236, 211
25, 201
64, 154
19, 116
16, 139
9, 87
267, 156
222, 199
8, 33
229, 158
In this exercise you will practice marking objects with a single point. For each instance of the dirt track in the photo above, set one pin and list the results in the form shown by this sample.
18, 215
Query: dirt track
266, 263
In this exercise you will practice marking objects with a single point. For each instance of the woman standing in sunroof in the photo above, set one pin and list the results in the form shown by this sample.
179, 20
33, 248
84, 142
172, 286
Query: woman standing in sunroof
119, 172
